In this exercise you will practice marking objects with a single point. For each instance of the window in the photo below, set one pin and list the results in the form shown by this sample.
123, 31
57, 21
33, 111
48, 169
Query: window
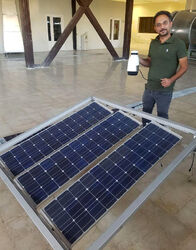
56, 27
116, 29
146, 25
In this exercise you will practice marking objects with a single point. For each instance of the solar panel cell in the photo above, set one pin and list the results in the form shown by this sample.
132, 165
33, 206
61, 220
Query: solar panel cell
66, 198
87, 180
96, 209
77, 189
72, 232
107, 199
85, 221
86, 199
117, 190
66, 219
75, 209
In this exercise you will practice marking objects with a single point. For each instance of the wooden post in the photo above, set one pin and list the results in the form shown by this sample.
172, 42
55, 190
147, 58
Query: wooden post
59, 43
127, 31
24, 19
73, 4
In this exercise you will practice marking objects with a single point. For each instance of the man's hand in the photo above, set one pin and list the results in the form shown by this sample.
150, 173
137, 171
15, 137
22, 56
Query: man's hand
166, 82
145, 61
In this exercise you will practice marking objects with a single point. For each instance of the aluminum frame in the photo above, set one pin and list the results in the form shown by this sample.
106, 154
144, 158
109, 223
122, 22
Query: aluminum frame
43, 228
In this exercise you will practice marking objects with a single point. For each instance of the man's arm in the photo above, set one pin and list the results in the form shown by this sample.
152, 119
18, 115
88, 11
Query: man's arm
183, 62
145, 61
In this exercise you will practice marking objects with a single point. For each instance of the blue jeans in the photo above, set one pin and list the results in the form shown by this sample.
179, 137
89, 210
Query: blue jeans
162, 100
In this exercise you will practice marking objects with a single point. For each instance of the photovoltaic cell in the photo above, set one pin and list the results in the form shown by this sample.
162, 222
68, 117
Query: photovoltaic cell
80, 206
45, 142
45, 178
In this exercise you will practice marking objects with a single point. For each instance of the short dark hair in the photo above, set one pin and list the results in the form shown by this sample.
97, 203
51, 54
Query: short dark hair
162, 12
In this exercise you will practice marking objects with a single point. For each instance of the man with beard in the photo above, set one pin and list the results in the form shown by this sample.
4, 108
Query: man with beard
166, 53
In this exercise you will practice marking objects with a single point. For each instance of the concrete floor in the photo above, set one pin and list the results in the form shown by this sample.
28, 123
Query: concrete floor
28, 97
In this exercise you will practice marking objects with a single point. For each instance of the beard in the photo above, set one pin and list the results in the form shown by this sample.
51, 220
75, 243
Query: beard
165, 33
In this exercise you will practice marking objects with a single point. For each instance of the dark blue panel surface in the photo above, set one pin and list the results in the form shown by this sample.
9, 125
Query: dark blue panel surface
93, 194
45, 142
64, 164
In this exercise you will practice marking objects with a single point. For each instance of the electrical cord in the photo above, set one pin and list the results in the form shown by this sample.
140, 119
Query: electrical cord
142, 75
191, 167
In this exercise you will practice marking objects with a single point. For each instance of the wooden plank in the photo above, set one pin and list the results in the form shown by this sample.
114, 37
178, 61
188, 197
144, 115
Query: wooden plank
24, 19
73, 5
59, 43
101, 33
127, 31
84, 3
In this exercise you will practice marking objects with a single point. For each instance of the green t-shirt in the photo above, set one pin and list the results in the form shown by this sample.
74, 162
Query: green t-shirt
164, 61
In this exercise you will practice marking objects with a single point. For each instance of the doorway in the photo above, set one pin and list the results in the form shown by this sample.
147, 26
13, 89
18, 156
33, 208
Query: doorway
12, 35
115, 26
54, 29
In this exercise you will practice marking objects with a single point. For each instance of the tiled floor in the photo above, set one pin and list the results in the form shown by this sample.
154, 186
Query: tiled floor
29, 97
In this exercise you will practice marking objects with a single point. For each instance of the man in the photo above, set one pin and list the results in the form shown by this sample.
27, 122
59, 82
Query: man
166, 53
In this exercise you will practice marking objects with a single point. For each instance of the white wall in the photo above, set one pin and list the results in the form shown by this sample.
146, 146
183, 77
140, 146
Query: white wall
103, 10
39, 10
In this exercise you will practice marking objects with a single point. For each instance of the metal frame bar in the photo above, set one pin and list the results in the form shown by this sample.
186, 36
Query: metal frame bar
30, 132
122, 219
142, 114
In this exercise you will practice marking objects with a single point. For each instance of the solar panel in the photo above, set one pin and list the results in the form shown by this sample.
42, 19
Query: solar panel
45, 178
79, 207
32, 150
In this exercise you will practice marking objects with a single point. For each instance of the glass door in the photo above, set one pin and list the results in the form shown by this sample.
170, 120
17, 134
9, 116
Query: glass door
115, 25
54, 28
